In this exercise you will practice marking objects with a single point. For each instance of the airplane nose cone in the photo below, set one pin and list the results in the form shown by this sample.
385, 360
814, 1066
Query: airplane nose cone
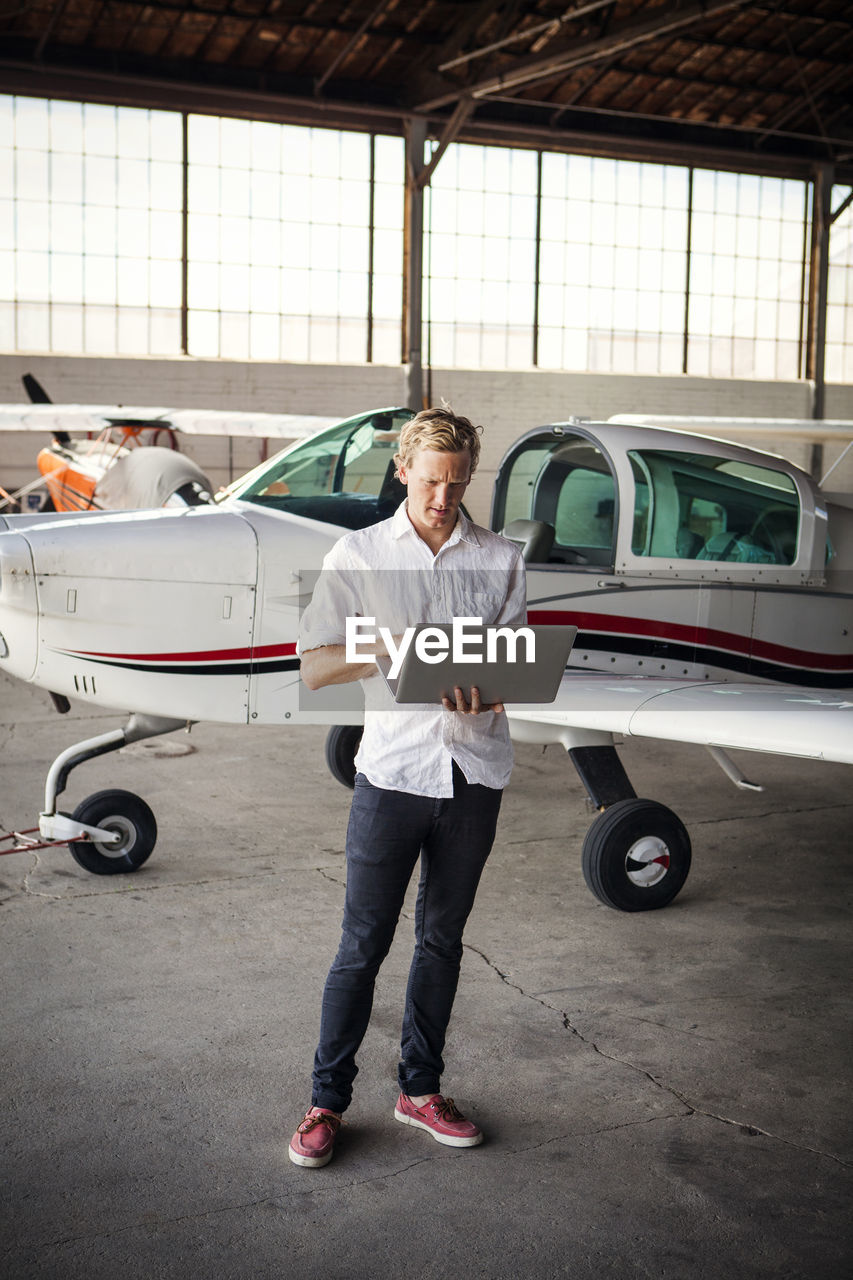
18, 607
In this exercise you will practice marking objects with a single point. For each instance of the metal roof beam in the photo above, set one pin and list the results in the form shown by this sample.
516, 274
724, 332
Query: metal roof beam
464, 109
462, 30
58, 11
548, 28
574, 53
835, 76
351, 44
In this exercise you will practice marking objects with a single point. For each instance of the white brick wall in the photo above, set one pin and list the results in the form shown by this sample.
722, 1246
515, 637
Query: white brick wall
506, 402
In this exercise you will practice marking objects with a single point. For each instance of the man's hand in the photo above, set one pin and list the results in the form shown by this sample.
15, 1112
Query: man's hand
472, 708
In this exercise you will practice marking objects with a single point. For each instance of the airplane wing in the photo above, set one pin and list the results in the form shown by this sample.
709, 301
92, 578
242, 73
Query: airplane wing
205, 422
779, 719
838, 429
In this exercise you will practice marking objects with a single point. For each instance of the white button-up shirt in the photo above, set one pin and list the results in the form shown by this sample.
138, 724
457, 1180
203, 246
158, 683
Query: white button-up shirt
388, 572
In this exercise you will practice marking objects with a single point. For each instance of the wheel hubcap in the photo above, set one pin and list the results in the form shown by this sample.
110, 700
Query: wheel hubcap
124, 828
647, 862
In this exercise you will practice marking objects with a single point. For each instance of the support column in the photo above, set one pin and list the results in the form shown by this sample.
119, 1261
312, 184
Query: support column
413, 260
818, 290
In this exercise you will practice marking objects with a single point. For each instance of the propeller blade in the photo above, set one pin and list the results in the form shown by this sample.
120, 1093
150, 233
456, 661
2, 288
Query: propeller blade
35, 390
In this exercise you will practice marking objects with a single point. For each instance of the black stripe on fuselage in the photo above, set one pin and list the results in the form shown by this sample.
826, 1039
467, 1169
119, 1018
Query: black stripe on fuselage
211, 669
640, 647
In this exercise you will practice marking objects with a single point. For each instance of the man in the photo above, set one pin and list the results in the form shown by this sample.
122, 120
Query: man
429, 778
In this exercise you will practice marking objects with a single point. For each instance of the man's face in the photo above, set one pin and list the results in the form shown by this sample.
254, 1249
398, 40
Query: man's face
436, 482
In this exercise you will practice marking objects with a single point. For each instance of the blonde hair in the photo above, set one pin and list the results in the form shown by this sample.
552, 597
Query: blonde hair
440, 429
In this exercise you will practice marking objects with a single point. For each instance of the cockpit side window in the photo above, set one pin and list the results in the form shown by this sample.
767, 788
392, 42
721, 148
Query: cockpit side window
700, 507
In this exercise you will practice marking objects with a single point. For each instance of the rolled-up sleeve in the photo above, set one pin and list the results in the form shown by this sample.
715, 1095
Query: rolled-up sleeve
323, 621
514, 609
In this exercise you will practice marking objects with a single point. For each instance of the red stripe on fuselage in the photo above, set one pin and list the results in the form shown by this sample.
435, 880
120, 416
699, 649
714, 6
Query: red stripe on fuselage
203, 655
683, 633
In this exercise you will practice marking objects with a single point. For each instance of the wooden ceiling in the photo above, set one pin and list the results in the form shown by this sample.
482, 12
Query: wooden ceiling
759, 86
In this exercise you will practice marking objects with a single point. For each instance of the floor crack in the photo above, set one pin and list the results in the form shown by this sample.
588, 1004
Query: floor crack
691, 1108
333, 879
36, 893
325, 1187
161, 1222
771, 813
133, 887
593, 1133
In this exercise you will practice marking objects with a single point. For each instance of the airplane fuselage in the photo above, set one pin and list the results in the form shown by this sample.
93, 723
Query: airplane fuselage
195, 614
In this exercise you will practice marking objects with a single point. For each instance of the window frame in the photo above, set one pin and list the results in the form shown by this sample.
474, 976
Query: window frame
809, 563
557, 437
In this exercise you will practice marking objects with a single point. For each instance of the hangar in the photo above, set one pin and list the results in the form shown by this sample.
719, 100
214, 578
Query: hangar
431, 196
535, 210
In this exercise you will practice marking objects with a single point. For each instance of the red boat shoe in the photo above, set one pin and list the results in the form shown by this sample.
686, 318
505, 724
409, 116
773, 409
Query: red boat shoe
439, 1117
314, 1141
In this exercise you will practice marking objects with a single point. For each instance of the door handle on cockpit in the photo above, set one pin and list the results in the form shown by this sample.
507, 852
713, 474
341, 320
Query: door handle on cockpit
608, 582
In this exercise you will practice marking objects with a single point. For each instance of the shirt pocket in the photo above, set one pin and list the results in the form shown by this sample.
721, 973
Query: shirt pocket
485, 605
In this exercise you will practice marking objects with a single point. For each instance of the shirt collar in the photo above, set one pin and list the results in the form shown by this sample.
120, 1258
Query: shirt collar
400, 522
463, 530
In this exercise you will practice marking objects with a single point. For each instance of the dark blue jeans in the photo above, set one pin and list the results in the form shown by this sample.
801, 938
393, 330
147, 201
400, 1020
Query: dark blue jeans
388, 831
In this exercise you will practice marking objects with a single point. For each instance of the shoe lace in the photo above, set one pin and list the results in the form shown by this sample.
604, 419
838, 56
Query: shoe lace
311, 1122
446, 1109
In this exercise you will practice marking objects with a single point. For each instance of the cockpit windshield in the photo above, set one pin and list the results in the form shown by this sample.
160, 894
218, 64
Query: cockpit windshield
343, 476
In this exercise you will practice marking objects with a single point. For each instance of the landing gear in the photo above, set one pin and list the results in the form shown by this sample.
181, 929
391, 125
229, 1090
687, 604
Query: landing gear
342, 743
111, 831
123, 815
636, 855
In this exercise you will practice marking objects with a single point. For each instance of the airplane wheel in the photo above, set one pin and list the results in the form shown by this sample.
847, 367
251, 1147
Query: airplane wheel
341, 745
636, 855
119, 811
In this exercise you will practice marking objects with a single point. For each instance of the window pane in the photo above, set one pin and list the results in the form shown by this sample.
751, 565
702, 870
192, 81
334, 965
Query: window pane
747, 295
480, 287
839, 318
283, 229
613, 247
702, 508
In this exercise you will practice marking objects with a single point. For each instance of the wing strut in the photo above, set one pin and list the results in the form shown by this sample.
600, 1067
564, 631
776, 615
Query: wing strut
730, 769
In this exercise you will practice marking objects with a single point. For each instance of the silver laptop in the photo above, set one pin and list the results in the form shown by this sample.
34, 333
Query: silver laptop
499, 680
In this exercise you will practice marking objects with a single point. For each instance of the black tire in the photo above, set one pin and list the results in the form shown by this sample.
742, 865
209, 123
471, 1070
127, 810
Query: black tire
120, 811
636, 855
341, 745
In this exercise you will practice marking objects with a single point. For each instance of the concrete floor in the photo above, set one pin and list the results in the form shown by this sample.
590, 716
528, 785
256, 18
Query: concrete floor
664, 1094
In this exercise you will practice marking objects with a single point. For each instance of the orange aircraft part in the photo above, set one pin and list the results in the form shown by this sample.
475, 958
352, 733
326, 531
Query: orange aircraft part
70, 489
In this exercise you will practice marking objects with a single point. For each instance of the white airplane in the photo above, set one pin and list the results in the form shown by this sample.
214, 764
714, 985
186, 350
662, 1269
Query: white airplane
710, 584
